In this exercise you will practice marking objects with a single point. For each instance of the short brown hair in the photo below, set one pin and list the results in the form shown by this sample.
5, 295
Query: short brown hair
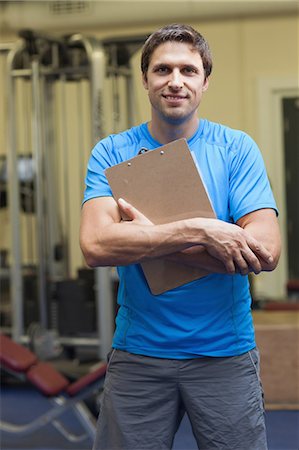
179, 33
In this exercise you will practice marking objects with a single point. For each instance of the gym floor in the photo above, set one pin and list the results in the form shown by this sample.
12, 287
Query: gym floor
277, 334
282, 425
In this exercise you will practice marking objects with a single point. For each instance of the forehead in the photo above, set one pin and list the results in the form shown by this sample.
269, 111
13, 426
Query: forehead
174, 53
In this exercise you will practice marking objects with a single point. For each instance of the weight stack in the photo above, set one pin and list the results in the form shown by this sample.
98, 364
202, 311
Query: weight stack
76, 309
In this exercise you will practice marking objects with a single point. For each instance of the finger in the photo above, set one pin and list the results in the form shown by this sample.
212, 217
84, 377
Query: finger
127, 208
252, 262
229, 265
221, 253
241, 264
226, 259
260, 250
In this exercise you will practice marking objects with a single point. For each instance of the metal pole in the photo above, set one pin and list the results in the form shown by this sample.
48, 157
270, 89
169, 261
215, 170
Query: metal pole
115, 90
27, 185
39, 189
131, 101
16, 281
105, 313
80, 99
103, 290
103, 274
66, 174
55, 266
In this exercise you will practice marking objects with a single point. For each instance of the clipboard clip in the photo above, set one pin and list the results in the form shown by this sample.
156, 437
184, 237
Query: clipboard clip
143, 150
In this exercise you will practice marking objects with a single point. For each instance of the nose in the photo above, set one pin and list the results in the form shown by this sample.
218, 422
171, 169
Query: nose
175, 81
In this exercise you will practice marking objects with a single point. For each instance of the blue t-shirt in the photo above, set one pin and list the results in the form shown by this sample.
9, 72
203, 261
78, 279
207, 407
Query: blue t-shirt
210, 316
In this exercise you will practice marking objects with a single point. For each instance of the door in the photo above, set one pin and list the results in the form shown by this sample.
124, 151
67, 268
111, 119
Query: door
290, 107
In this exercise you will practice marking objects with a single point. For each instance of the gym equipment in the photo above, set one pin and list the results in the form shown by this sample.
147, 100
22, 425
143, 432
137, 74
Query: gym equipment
62, 394
63, 95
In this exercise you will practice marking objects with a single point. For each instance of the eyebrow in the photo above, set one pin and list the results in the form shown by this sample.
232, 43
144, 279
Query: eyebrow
158, 65
169, 65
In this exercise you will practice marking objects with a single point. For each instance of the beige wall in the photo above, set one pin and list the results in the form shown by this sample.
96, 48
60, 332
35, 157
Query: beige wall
245, 51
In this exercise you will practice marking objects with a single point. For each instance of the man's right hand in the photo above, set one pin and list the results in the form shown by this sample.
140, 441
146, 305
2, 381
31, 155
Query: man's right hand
234, 247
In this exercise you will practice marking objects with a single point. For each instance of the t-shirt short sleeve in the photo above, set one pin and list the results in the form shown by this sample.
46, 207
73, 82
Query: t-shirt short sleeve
96, 182
249, 186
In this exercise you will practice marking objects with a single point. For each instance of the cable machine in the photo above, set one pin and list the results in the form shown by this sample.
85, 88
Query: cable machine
64, 94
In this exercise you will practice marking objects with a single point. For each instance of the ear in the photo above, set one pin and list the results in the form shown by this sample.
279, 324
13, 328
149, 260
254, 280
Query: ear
144, 81
206, 84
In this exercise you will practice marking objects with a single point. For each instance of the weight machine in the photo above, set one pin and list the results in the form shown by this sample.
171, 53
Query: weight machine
63, 95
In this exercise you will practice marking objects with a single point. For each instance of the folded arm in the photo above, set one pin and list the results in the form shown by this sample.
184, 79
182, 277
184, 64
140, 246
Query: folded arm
106, 240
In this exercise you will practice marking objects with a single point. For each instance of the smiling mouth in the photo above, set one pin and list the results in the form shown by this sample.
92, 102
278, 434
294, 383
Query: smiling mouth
174, 97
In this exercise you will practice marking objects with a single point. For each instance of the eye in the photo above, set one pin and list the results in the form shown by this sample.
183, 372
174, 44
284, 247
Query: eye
162, 70
189, 70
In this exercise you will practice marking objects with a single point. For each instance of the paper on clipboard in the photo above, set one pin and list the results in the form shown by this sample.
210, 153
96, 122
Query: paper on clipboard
165, 185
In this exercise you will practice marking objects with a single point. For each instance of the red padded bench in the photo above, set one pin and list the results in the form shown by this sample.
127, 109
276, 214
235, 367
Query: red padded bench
16, 359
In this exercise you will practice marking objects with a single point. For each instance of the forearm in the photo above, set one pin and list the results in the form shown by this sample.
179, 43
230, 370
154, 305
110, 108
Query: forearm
197, 256
128, 243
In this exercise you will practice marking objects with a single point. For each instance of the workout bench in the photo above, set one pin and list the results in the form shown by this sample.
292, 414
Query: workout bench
63, 395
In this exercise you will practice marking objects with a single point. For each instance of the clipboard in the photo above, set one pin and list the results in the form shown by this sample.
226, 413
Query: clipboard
165, 185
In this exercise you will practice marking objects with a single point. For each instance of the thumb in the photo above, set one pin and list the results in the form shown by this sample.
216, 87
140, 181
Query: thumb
133, 213
127, 209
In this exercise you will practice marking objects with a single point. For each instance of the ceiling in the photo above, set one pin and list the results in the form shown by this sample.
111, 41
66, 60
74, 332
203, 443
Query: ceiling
74, 15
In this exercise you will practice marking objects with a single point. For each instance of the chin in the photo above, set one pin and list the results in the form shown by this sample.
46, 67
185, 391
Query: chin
176, 119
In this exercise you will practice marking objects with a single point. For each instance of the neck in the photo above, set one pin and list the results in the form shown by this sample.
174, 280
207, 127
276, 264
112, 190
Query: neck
166, 132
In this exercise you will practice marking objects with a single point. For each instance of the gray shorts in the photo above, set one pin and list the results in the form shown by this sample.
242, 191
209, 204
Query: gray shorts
145, 398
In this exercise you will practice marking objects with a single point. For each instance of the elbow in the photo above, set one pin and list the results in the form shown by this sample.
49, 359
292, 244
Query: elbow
90, 259
94, 260
93, 255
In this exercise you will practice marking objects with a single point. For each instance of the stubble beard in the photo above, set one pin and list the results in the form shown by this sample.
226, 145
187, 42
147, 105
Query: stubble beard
175, 115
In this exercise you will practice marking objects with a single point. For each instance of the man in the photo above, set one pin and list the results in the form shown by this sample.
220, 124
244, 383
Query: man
190, 349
